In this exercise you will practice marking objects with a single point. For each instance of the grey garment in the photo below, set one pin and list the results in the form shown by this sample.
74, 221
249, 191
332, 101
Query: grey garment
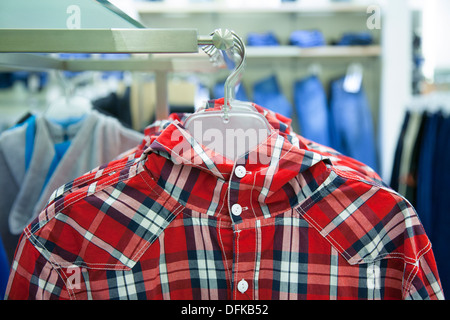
96, 140
408, 146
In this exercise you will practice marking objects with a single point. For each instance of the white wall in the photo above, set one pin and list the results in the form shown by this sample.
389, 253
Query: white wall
435, 30
396, 77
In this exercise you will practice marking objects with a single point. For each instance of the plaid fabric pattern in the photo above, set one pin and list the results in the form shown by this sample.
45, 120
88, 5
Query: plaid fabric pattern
158, 224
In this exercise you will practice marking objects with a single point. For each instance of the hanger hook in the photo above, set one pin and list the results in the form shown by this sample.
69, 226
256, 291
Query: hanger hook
231, 47
235, 76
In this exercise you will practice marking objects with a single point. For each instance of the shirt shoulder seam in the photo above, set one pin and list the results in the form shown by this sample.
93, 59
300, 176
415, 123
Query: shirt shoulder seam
78, 195
315, 198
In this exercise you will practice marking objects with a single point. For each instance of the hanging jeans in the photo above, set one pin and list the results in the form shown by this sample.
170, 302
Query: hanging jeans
312, 110
219, 91
352, 131
267, 93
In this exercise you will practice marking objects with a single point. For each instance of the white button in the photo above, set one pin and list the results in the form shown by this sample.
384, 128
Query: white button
236, 209
242, 286
240, 171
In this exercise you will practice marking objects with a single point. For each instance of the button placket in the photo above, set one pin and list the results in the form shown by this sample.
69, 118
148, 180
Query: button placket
236, 208
244, 257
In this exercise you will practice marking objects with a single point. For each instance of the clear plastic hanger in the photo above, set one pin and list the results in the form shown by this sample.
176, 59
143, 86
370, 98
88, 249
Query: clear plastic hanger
237, 127
67, 107
353, 78
315, 69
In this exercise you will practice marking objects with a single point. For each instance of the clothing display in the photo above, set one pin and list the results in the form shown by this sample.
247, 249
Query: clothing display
409, 157
342, 120
267, 93
311, 107
41, 155
352, 129
355, 39
394, 182
262, 39
172, 219
224, 150
307, 38
116, 106
218, 91
7, 79
420, 174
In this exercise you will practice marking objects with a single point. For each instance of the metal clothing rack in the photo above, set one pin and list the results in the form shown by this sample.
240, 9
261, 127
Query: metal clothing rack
23, 48
102, 40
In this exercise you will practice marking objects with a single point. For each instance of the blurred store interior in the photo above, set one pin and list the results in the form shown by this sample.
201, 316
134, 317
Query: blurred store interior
374, 74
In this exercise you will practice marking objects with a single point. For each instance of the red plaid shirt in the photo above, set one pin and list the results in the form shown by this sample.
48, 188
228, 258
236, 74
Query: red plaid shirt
174, 220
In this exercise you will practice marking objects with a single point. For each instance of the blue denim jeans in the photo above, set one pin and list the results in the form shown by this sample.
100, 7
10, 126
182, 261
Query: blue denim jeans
356, 39
267, 93
352, 129
307, 38
262, 39
219, 91
311, 106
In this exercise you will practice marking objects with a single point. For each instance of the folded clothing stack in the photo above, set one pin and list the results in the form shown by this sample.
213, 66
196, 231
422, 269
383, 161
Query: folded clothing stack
307, 38
355, 39
262, 39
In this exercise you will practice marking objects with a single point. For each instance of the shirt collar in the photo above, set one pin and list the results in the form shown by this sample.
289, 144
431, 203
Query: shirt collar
279, 123
269, 167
